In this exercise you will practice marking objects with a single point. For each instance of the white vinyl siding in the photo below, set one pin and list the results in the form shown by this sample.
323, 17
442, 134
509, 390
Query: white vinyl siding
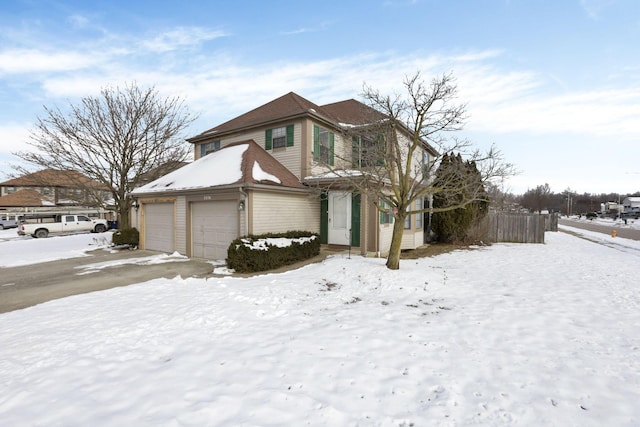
342, 155
386, 232
181, 225
279, 212
290, 157
411, 239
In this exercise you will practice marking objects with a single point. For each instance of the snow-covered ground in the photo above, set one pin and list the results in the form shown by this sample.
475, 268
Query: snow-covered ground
507, 334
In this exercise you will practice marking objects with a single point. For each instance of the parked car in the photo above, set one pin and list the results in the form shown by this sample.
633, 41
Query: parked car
9, 221
42, 226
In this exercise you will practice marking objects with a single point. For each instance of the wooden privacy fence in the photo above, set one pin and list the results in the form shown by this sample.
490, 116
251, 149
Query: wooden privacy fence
516, 227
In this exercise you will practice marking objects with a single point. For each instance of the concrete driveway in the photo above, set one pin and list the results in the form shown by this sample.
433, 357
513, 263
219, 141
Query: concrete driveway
22, 287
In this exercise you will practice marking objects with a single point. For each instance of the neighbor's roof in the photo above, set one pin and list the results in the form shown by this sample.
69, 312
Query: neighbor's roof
52, 178
25, 198
240, 163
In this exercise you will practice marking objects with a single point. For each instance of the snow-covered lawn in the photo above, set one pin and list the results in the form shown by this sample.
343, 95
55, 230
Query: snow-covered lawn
509, 334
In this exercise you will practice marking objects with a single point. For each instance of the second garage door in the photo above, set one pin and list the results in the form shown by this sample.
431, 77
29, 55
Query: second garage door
214, 225
158, 227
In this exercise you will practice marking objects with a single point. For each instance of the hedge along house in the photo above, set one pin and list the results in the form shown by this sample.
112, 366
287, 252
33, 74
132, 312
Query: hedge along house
297, 143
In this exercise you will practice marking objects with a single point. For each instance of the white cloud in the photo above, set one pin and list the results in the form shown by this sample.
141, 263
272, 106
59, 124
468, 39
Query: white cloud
18, 61
180, 37
78, 21
594, 8
13, 138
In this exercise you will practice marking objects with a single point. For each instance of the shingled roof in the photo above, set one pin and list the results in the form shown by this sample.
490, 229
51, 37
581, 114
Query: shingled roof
52, 178
236, 164
352, 112
287, 106
25, 198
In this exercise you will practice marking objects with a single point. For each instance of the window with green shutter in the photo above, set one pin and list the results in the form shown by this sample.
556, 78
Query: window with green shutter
279, 137
323, 146
385, 214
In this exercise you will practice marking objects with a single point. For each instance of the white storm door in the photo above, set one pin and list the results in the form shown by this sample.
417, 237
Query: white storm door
339, 218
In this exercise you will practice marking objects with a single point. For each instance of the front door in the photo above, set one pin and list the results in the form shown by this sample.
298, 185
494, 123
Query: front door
339, 227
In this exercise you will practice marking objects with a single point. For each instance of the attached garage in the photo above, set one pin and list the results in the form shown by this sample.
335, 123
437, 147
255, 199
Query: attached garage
214, 225
159, 229
199, 209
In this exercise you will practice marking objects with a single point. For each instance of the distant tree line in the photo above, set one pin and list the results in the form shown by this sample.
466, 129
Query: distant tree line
542, 198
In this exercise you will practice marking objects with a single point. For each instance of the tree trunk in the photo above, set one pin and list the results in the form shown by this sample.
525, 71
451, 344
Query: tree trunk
124, 218
393, 260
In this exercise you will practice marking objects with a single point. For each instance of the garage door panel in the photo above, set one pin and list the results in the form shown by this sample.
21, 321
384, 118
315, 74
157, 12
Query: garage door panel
159, 229
214, 225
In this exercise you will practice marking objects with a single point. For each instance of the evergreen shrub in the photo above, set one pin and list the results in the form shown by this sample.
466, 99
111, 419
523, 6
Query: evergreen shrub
252, 253
127, 236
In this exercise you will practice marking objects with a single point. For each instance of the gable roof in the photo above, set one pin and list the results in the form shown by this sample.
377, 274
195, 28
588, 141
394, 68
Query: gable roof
25, 198
52, 178
352, 112
236, 164
342, 114
287, 106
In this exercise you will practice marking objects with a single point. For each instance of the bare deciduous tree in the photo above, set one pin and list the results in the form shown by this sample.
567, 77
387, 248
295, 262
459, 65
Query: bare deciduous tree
116, 139
388, 152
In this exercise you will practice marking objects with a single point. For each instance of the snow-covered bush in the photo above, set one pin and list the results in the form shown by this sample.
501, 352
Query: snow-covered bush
268, 251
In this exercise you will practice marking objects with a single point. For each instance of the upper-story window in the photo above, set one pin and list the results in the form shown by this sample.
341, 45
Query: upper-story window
209, 147
323, 145
278, 137
366, 152
426, 164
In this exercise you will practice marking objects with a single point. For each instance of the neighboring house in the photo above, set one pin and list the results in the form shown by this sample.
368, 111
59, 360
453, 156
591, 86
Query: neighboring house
25, 199
631, 205
57, 189
267, 171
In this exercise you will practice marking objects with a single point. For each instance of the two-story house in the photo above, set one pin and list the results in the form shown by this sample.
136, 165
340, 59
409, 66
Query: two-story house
273, 169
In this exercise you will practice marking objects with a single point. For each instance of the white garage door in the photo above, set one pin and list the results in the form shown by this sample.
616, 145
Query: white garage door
214, 225
159, 227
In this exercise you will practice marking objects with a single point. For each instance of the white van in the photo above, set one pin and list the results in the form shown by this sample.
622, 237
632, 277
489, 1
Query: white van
9, 221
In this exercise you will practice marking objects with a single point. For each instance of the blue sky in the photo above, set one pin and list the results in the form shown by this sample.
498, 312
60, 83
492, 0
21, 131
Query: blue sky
555, 85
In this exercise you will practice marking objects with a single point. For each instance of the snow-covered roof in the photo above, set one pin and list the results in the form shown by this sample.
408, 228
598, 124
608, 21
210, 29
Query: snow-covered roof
244, 162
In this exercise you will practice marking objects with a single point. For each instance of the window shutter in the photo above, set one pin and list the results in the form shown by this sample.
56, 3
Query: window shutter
355, 219
331, 149
267, 139
316, 143
324, 218
380, 148
382, 205
290, 136
355, 152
